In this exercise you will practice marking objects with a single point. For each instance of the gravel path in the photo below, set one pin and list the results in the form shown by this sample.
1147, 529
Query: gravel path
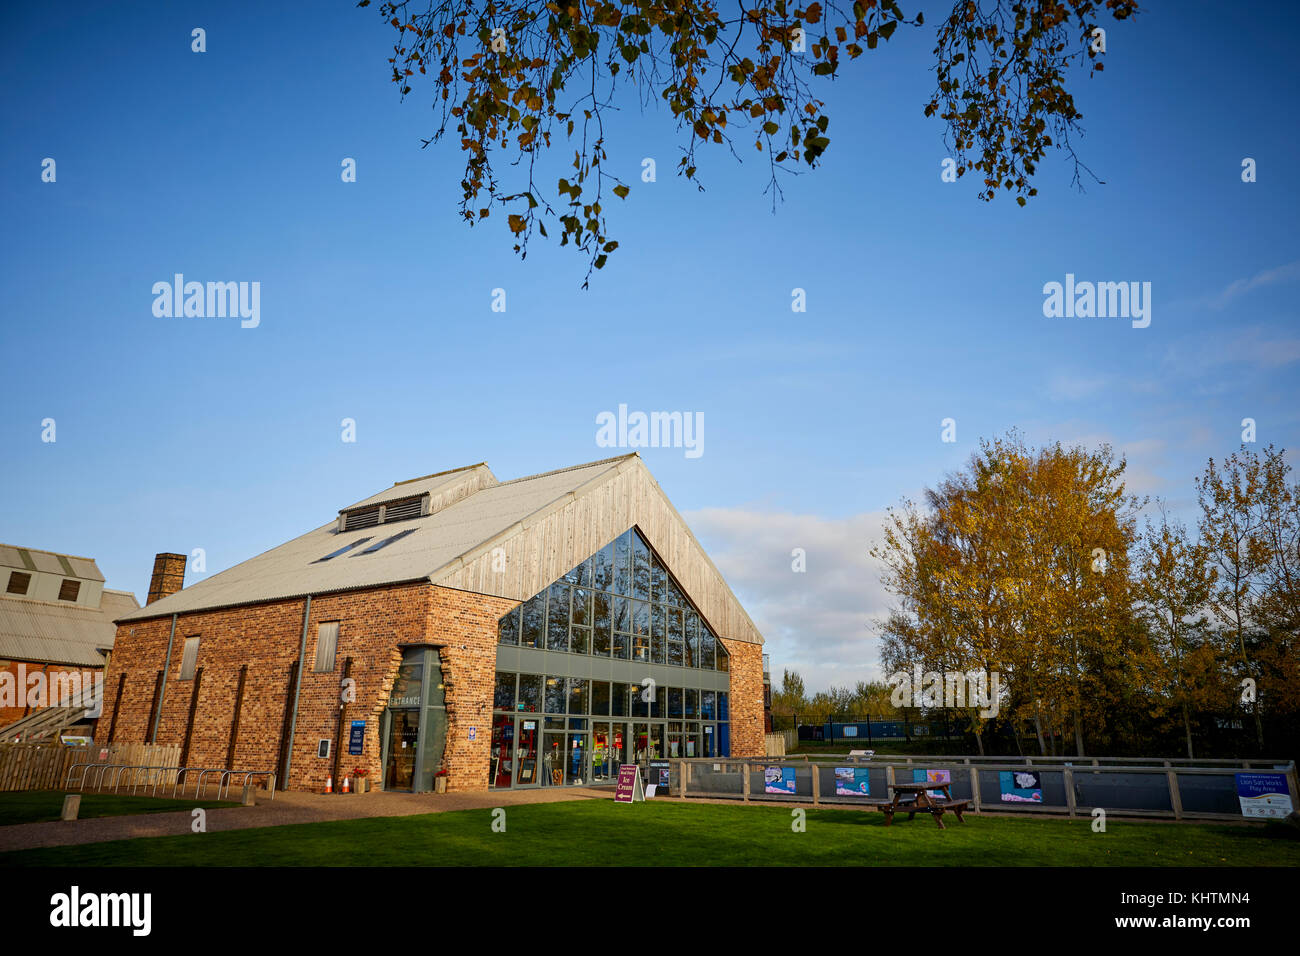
287, 807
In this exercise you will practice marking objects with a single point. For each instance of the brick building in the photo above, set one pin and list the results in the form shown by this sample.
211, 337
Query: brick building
534, 632
56, 636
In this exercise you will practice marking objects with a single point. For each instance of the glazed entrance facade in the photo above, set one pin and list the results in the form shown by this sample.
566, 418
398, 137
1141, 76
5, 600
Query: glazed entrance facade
611, 664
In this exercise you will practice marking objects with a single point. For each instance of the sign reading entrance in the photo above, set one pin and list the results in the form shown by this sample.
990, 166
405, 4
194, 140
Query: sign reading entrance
356, 737
630, 787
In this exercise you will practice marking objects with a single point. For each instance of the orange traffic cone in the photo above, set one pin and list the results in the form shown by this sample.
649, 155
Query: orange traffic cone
345, 785
329, 784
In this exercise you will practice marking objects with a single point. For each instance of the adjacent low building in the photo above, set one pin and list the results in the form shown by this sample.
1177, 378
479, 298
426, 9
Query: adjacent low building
56, 637
527, 633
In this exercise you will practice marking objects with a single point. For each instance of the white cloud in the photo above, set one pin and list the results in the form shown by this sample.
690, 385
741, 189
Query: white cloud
817, 622
1287, 273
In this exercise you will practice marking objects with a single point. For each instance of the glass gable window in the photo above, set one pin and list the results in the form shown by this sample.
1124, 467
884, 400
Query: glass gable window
620, 603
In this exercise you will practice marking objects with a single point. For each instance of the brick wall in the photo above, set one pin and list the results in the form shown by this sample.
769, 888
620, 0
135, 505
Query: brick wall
746, 698
266, 637
466, 624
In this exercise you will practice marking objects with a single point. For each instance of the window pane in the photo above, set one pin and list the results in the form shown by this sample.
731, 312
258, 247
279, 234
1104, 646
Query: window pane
530, 693
504, 698
600, 637
579, 688
557, 615
582, 607
674, 702
327, 639
641, 648
622, 614
724, 664
657, 702
692, 639
534, 621
708, 648
618, 700
658, 622
640, 567
656, 578
692, 703
580, 640
602, 568
723, 710
640, 617
581, 575
623, 564
708, 705
640, 706
555, 694
600, 698
508, 628
622, 646
189, 658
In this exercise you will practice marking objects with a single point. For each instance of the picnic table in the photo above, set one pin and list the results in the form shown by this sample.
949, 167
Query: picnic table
913, 798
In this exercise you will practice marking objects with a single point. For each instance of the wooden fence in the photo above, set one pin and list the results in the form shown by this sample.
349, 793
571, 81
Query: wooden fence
45, 766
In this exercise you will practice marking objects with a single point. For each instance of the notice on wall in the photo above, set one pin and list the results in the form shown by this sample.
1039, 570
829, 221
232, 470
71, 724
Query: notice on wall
1021, 786
852, 782
850, 730
357, 737
1263, 795
778, 780
630, 787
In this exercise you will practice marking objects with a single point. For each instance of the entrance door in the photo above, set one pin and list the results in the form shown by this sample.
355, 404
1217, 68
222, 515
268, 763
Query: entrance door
501, 767
526, 736
403, 735
553, 759
575, 756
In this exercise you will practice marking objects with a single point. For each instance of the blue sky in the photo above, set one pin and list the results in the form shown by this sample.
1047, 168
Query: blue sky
923, 303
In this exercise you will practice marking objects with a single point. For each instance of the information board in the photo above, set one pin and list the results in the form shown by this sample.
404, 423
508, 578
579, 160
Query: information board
1263, 795
852, 782
778, 780
657, 774
357, 737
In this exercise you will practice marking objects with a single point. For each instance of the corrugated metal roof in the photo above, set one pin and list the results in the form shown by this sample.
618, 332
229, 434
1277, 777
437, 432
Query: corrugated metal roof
295, 569
68, 565
60, 633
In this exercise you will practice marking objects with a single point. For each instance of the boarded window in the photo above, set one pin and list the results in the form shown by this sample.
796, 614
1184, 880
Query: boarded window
189, 658
69, 590
327, 643
19, 582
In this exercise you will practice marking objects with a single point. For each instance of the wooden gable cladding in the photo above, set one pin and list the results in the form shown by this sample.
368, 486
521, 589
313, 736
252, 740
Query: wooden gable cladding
525, 558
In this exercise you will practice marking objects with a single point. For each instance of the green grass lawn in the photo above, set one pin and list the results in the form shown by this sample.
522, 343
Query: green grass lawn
662, 833
38, 806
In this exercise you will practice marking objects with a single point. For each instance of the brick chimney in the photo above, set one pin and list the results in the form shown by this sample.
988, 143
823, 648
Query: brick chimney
168, 576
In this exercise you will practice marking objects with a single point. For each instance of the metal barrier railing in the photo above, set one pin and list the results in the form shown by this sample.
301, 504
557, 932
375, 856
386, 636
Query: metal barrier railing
146, 776
1177, 792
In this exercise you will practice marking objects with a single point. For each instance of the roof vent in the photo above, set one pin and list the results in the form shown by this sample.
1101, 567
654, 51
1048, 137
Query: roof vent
365, 518
403, 510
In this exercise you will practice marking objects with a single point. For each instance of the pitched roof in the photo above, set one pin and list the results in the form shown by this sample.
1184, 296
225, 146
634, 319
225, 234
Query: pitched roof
471, 513
61, 633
